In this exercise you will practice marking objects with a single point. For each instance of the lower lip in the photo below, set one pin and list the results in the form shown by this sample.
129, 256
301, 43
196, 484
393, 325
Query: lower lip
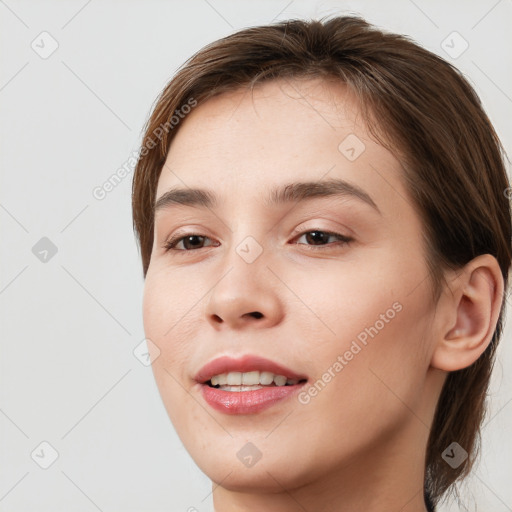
247, 402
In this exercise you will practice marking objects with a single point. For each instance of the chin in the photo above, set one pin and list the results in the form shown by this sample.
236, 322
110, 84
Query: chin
270, 478
276, 468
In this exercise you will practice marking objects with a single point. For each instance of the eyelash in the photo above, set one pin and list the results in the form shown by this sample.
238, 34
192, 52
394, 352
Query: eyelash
170, 244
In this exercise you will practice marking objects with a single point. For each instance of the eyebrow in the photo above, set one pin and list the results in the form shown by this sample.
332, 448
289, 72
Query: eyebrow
291, 192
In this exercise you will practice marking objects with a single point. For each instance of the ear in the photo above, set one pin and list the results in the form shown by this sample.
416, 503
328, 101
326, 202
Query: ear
470, 314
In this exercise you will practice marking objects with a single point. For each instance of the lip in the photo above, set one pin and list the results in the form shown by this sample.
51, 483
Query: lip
245, 402
247, 363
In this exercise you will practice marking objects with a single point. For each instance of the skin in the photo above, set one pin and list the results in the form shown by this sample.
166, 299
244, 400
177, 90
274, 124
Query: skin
359, 444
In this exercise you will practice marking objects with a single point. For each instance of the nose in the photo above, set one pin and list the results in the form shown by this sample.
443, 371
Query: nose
247, 294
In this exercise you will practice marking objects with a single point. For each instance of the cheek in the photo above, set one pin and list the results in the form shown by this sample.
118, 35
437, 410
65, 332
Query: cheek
166, 324
379, 378
167, 319
170, 300
372, 324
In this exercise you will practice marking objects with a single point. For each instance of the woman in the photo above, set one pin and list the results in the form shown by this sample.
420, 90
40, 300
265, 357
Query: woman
325, 235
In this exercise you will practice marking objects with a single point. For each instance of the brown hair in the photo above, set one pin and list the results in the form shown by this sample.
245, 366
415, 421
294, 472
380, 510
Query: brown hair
427, 113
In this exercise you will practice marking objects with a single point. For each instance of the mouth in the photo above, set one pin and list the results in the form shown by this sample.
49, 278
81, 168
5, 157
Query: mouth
250, 381
246, 385
246, 371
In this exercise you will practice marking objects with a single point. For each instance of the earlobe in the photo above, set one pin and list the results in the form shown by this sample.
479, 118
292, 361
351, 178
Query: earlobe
475, 304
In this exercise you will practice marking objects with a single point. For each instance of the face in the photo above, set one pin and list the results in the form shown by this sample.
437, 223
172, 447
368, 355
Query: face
325, 285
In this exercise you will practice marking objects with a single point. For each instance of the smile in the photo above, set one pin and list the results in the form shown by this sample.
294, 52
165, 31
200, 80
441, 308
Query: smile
246, 385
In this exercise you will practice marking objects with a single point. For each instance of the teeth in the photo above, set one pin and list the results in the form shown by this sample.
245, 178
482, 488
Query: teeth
251, 380
280, 380
240, 388
219, 379
266, 378
234, 378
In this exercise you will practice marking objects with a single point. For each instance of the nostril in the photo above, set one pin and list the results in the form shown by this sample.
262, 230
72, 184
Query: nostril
256, 314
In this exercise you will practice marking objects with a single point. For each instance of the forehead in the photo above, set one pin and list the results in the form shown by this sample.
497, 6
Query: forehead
244, 142
276, 116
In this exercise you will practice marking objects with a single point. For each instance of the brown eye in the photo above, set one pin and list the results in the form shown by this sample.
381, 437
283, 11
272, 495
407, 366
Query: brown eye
189, 242
319, 238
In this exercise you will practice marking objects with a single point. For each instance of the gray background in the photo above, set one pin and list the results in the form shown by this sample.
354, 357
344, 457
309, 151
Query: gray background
70, 323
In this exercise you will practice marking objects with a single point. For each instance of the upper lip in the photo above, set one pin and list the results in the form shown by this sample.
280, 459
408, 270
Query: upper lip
246, 363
